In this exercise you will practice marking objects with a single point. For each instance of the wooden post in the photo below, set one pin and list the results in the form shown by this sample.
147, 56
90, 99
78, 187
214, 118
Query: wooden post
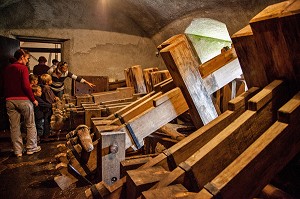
147, 76
249, 57
184, 70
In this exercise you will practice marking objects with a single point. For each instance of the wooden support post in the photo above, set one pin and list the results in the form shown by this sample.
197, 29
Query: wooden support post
90, 113
184, 70
268, 155
249, 57
111, 151
147, 76
277, 56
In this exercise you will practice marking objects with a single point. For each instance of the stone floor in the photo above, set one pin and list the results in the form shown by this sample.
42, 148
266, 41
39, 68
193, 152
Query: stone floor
32, 176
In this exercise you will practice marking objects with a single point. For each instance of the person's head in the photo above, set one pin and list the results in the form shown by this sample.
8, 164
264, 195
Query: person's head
37, 90
42, 60
33, 79
55, 62
46, 79
22, 56
62, 67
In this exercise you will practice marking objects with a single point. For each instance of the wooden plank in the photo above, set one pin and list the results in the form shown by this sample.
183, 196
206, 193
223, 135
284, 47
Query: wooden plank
112, 149
170, 192
224, 147
148, 122
120, 93
136, 110
249, 57
138, 79
222, 76
133, 163
268, 155
131, 106
217, 62
138, 180
259, 100
183, 68
292, 106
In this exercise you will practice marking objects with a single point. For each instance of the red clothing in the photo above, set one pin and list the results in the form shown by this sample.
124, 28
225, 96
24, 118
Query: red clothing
16, 83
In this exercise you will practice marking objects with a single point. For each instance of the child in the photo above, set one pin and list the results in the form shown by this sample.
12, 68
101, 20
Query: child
42, 113
48, 94
33, 80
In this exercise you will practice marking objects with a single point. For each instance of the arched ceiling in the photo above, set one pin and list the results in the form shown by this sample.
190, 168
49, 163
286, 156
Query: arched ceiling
138, 17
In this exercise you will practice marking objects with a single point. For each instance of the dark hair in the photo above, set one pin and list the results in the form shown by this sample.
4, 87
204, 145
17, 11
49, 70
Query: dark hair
54, 61
19, 53
61, 64
42, 59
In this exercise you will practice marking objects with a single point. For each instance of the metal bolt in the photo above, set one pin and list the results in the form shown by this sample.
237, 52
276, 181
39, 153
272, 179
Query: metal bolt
113, 148
114, 179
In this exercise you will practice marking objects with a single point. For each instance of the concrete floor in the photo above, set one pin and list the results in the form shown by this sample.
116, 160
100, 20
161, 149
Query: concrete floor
31, 176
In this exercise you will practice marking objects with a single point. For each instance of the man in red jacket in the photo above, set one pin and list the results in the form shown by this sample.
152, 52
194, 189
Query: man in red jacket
19, 99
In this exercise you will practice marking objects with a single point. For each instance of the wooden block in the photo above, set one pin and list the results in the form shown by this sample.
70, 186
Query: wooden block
183, 67
111, 151
116, 84
133, 163
242, 99
147, 78
141, 180
171, 192
290, 112
266, 94
120, 93
90, 113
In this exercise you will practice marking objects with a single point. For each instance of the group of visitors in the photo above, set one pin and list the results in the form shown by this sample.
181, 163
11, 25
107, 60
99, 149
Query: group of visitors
32, 96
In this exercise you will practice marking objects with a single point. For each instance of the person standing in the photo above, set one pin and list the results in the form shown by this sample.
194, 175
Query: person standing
41, 68
59, 74
19, 99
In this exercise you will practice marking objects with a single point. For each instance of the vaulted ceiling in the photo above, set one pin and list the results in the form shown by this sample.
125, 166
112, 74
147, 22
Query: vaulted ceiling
138, 17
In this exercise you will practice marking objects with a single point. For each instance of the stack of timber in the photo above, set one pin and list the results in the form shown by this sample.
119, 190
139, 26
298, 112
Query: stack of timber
238, 153
144, 80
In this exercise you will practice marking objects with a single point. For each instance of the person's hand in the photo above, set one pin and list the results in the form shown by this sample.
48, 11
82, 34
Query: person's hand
90, 84
36, 103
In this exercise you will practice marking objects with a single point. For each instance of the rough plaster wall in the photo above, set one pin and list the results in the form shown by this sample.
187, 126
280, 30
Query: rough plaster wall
92, 52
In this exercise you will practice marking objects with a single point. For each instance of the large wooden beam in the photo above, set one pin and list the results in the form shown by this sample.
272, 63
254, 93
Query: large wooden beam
178, 153
278, 56
184, 69
266, 156
147, 122
250, 59
229, 143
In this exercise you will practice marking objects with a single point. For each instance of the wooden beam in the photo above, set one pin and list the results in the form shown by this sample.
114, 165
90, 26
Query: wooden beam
225, 146
147, 122
268, 155
184, 70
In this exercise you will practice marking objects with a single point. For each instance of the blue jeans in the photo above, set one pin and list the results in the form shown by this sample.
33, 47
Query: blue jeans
16, 108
